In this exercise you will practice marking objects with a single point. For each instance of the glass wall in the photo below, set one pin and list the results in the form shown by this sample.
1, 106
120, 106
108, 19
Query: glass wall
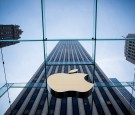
101, 26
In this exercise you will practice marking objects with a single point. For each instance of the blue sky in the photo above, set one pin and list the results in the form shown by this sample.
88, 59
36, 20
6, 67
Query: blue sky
67, 19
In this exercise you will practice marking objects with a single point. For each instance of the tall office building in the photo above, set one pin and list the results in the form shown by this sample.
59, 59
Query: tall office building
9, 32
124, 92
130, 48
106, 100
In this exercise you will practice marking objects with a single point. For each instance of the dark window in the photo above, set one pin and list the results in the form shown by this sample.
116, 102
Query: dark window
52, 105
63, 110
75, 106
97, 104
86, 106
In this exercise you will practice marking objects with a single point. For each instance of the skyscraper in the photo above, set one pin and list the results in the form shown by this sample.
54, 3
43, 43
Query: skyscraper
124, 92
130, 48
106, 100
9, 32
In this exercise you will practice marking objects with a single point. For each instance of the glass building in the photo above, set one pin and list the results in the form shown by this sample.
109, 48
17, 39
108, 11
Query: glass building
104, 100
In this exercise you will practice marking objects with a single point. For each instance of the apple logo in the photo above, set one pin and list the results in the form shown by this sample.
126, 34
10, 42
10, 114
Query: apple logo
72, 84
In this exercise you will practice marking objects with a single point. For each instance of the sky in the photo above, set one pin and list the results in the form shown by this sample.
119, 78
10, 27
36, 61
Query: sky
67, 19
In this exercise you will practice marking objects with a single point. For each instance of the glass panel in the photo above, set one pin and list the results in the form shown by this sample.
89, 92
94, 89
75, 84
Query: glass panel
87, 46
49, 46
13, 93
2, 76
5, 88
115, 18
70, 54
4, 102
69, 19
110, 57
26, 14
22, 60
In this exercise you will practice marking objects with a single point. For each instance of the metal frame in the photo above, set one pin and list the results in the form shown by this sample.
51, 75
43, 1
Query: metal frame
7, 86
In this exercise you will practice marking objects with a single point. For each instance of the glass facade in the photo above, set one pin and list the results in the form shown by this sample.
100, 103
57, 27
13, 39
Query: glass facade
51, 31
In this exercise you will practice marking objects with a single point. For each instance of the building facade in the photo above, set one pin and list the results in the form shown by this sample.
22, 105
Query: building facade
124, 92
130, 48
9, 32
34, 101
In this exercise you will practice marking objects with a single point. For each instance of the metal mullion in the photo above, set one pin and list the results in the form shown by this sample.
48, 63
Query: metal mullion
66, 39
97, 84
94, 47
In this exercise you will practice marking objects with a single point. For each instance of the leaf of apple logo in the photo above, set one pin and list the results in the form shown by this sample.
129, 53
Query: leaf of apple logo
69, 85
